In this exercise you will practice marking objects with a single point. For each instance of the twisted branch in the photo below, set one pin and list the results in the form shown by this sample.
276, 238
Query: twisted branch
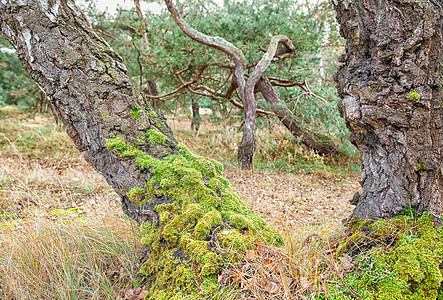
214, 42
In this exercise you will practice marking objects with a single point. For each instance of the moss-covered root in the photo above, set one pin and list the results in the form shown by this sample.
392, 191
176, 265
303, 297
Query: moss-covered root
399, 258
202, 227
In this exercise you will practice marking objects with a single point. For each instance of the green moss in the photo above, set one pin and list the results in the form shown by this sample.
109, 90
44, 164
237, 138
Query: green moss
151, 113
116, 143
135, 112
206, 223
203, 217
125, 149
137, 195
403, 261
414, 96
234, 240
420, 166
155, 136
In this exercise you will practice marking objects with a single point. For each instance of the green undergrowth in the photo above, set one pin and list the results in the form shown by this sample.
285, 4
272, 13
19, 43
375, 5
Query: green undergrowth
398, 258
202, 225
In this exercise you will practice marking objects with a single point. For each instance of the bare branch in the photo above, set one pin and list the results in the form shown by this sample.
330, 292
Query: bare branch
263, 64
309, 139
214, 42
304, 86
227, 96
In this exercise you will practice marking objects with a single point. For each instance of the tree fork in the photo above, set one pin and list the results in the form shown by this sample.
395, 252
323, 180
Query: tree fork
248, 143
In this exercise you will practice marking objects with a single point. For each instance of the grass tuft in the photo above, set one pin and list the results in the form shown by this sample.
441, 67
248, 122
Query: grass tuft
68, 260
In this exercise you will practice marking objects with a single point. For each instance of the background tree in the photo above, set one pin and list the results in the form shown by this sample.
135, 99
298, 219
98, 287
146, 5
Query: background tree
204, 72
390, 83
16, 87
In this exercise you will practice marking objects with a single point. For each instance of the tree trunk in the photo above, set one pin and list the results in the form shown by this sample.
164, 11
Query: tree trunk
196, 119
390, 83
309, 139
248, 143
86, 82
187, 211
153, 91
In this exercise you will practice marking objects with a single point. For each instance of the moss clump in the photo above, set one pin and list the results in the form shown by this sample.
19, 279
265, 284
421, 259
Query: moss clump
135, 112
206, 223
414, 96
420, 166
204, 226
137, 195
155, 136
125, 149
402, 262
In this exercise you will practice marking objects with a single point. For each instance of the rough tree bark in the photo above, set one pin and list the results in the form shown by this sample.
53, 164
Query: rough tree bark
86, 82
187, 211
390, 83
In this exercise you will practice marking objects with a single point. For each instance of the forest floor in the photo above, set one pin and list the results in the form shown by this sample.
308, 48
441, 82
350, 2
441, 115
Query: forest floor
51, 201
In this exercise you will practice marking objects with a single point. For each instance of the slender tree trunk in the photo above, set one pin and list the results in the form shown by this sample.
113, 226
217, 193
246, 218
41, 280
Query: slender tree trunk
248, 143
153, 91
196, 119
390, 83
309, 139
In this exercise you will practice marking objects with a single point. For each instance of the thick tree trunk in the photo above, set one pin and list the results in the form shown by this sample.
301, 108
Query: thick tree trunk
87, 85
309, 139
391, 89
189, 215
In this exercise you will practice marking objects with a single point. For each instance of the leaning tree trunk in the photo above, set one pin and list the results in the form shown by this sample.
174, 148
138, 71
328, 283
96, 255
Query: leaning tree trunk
391, 89
309, 139
186, 209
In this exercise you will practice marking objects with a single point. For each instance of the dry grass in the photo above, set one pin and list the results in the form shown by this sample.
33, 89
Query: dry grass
63, 235
305, 268
62, 232
90, 259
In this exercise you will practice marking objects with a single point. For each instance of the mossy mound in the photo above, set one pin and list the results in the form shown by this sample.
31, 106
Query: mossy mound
398, 258
202, 227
